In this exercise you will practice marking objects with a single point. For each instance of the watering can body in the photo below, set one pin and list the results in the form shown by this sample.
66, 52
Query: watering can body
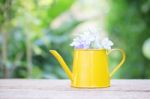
90, 67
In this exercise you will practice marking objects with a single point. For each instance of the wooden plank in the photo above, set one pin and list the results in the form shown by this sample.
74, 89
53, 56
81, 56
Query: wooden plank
54, 89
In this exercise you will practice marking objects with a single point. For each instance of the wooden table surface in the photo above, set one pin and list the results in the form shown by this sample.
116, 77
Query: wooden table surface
60, 89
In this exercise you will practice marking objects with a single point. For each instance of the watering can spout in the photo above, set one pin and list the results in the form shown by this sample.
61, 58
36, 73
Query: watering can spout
62, 63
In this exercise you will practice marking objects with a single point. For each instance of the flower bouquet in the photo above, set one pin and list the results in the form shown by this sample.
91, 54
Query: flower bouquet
91, 40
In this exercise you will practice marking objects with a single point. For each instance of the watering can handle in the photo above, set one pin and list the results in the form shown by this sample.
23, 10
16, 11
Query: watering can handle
121, 62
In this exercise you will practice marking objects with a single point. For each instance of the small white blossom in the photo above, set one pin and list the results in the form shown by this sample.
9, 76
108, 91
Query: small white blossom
106, 43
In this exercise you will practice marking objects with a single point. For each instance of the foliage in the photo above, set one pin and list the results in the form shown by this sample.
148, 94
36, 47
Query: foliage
27, 34
128, 25
31, 37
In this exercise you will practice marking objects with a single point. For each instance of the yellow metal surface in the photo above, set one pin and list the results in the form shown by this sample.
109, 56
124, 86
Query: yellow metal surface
121, 62
90, 67
62, 63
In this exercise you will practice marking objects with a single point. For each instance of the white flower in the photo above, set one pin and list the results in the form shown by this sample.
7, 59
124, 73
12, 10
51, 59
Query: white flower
83, 40
80, 43
106, 43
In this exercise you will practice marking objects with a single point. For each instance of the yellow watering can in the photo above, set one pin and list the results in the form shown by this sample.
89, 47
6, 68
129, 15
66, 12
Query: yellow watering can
90, 67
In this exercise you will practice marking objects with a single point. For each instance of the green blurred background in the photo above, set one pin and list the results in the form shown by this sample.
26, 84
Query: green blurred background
29, 28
